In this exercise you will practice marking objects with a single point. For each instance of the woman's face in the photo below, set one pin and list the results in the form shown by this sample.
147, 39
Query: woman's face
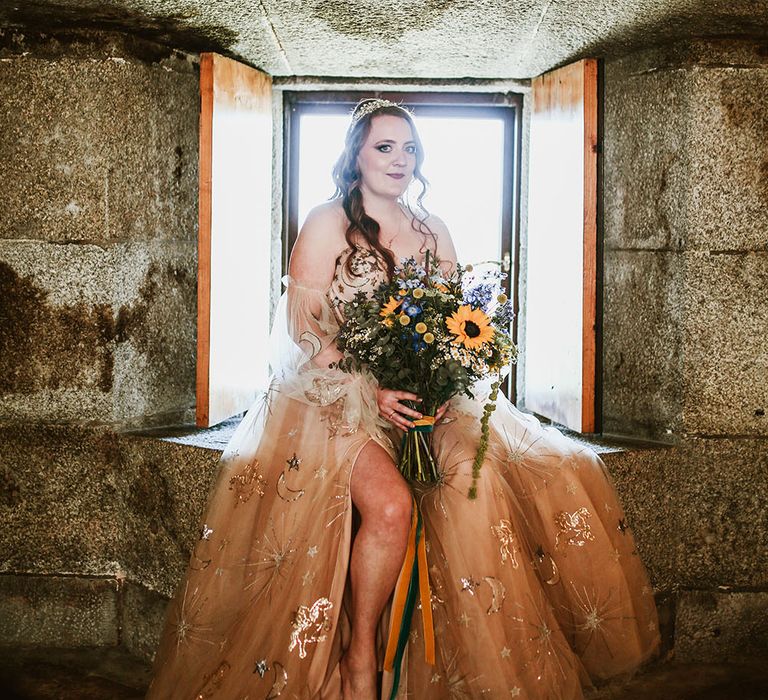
387, 157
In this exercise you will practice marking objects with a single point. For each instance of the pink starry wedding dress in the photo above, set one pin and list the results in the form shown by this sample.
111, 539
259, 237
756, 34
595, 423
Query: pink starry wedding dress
537, 589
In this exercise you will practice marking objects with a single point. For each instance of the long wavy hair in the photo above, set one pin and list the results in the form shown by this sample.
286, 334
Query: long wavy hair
362, 228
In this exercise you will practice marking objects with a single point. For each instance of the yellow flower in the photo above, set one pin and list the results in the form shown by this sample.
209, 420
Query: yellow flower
404, 319
403, 292
502, 298
471, 327
441, 288
421, 327
429, 338
418, 293
389, 307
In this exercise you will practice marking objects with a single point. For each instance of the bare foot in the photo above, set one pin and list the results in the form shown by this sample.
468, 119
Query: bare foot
358, 677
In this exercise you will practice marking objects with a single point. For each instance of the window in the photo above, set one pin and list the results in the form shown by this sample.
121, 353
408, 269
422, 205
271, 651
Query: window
471, 143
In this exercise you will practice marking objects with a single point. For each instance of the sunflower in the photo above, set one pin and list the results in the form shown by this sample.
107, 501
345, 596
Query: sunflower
390, 307
471, 327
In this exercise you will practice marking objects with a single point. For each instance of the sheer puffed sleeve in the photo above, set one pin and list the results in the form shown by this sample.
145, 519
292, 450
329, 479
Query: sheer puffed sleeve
304, 330
302, 353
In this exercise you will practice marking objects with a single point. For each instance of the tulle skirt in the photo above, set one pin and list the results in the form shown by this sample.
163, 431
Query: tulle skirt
537, 589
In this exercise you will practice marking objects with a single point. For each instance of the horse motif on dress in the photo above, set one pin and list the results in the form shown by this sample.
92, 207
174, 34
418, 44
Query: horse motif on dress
574, 527
310, 625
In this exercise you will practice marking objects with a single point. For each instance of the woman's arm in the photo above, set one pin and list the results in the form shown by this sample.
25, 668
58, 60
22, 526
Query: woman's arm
311, 269
320, 240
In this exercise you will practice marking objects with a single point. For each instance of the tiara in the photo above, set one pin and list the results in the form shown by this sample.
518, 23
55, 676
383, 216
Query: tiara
371, 106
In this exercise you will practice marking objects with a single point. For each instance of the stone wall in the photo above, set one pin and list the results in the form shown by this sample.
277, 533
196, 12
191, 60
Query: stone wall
98, 229
98, 181
686, 258
685, 321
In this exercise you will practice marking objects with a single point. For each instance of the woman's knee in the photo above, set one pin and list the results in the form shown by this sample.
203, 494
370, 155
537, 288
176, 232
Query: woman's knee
395, 513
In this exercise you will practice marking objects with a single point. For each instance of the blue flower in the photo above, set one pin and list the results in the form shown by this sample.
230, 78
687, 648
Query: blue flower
481, 295
412, 310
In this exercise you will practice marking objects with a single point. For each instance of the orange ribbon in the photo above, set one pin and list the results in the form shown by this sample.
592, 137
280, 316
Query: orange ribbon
414, 567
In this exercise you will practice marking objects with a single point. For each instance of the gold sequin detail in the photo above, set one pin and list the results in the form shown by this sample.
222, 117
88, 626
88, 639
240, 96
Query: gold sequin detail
574, 527
247, 482
212, 684
310, 625
324, 391
507, 542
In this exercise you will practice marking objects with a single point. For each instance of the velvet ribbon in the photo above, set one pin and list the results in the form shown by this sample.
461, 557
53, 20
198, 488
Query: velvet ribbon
412, 583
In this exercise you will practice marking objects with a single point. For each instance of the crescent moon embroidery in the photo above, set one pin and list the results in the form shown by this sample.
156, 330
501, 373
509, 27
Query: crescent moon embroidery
287, 494
540, 554
499, 593
197, 563
281, 680
315, 346
555, 573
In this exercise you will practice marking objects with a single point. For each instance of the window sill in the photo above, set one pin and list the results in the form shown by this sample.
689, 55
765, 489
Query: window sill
214, 438
217, 437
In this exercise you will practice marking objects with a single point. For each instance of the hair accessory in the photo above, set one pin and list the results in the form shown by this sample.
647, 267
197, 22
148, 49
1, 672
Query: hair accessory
372, 105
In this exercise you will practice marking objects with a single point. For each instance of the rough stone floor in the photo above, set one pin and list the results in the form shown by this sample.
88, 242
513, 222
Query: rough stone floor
111, 674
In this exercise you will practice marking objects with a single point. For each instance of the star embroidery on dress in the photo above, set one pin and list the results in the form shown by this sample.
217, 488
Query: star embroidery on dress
616, 555
435, 678
515, 692
571, 488
206, 532
219, 571
646, 590
414, 636
464, 619
505, 653
307, 578
623, 527
261, 668
312, 551
292, 432
607, 507
469, 585
651, 626
320, 473
293, 462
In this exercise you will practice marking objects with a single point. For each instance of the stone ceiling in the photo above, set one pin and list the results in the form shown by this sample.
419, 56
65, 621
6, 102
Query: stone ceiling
401, 38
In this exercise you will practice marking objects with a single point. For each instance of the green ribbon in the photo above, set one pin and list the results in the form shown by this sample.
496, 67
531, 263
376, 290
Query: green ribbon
410, 602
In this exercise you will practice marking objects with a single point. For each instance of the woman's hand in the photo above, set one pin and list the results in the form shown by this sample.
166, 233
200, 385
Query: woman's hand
395, 412
441, 411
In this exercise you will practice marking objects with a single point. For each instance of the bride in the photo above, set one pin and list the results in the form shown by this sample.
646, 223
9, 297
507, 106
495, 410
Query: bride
537, 589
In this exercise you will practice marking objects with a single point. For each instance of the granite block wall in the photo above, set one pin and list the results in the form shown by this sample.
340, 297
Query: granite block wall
98, 227
686, 241
685, 322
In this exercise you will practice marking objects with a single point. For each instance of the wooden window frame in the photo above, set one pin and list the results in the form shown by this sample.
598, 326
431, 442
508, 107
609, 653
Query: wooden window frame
505, 105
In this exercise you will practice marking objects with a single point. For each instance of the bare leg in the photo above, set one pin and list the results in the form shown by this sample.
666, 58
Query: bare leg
383, 499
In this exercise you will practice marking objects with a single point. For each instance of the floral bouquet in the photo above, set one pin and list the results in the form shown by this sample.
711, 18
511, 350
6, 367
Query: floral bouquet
435, 336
